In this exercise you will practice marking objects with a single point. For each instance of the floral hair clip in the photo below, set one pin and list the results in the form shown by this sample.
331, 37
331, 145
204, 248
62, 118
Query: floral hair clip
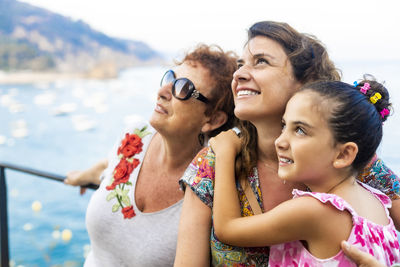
375, 98
384, 112
365, 88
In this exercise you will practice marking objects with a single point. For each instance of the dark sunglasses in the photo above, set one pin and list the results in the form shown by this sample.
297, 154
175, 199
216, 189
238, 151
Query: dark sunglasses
182, 88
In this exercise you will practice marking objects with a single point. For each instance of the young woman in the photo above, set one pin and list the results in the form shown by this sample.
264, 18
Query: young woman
276, 62
330, 131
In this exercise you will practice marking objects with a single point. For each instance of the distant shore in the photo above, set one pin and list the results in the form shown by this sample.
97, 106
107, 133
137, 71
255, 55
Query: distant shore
100, 72
25, 77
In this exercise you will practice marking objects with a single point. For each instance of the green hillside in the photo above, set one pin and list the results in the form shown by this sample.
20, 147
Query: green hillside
37, 39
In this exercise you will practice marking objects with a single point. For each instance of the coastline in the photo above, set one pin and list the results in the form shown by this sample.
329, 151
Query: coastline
28, 77
102, 71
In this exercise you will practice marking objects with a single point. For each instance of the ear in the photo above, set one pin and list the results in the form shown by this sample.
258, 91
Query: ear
215, 121
346, 154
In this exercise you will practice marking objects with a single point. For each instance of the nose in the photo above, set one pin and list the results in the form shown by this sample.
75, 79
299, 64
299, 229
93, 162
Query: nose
165, 92
241, 74
281, 143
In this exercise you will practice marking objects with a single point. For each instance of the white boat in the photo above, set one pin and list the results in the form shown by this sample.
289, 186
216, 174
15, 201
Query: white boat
64, 109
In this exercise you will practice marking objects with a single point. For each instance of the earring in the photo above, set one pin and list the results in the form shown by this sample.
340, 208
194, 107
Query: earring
201, 138
336, 163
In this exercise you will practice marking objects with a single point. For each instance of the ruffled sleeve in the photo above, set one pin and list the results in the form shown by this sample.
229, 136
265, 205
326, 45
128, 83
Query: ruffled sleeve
334, 200
199, 176
385, 200
377, 175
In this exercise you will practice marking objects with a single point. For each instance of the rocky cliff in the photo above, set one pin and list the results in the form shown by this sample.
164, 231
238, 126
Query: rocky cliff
33, 38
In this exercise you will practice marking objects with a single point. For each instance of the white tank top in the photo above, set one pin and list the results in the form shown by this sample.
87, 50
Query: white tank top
147, 239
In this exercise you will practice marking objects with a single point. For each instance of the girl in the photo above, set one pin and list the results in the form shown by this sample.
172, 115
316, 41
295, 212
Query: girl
330, 131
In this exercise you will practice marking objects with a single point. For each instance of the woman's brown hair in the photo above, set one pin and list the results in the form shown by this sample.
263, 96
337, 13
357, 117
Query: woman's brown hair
310, 62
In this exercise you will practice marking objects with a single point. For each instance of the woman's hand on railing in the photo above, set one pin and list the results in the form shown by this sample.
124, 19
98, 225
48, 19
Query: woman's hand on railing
85, 177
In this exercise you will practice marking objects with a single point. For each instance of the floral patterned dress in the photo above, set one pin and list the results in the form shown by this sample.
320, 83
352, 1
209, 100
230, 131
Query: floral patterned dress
199, 177
377, 240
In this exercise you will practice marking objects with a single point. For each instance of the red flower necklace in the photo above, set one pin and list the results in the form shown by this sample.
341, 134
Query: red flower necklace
130, 146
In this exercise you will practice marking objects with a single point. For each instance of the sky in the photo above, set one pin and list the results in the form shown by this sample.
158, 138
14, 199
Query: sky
351, 29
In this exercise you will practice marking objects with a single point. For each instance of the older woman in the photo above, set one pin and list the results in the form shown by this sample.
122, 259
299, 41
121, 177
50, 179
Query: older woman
132, 219
276, 61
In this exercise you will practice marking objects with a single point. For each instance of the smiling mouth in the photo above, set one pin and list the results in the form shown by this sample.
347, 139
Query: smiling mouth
160, 109
247, 92
285, 161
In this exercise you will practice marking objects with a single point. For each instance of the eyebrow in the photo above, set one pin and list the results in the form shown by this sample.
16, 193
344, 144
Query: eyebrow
263, 55
303, 123
259, 55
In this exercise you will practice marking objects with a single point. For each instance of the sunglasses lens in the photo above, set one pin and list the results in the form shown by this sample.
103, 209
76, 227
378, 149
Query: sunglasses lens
182, 88
168, 77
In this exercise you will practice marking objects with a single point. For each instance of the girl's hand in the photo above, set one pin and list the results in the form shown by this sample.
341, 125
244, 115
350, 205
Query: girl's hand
226, 142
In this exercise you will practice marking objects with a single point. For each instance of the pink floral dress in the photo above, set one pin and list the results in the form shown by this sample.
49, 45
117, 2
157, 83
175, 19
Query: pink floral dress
199, 177
377, 240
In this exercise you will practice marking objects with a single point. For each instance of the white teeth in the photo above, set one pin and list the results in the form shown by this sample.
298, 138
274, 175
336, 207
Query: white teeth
246, 92
286, 160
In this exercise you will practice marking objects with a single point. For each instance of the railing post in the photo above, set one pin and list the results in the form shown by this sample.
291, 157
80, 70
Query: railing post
4, 247
4, 250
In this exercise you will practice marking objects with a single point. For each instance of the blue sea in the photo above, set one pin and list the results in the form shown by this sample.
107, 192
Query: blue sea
70, 125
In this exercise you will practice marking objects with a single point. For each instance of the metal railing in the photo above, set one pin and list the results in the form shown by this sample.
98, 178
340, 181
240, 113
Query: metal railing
4, 247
